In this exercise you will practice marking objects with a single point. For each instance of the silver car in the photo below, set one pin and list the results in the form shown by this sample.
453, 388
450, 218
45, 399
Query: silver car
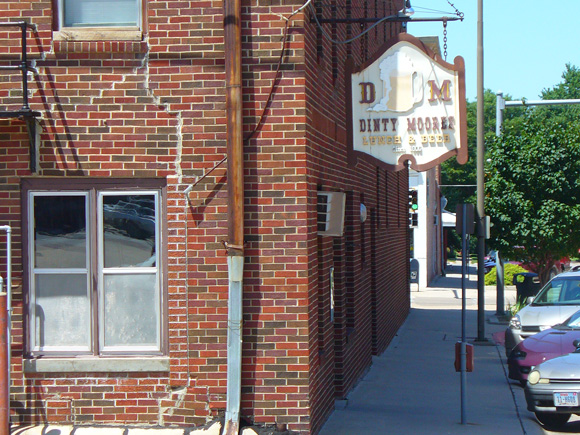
553, 389
554, 303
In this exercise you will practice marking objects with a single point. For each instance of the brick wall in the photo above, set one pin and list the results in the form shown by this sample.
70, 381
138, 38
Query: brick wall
370, 261
155, 109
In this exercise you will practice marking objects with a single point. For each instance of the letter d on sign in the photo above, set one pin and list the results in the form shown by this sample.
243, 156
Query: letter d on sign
367, 90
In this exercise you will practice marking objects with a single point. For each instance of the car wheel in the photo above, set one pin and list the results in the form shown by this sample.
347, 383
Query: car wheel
552, 420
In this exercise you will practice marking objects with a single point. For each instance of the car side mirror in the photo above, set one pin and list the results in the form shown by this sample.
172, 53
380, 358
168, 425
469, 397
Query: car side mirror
529, 300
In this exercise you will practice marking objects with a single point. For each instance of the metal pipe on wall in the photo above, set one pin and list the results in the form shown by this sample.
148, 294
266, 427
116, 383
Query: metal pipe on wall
4, 366
235, 183
5, 334
8, 231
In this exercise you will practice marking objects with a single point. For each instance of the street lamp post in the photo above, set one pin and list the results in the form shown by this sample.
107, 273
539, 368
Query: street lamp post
480, 181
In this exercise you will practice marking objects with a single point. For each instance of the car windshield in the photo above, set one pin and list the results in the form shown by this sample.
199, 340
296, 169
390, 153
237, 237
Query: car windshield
573, 322
560, 291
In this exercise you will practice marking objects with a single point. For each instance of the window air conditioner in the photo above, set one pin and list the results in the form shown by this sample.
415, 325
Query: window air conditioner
330, 208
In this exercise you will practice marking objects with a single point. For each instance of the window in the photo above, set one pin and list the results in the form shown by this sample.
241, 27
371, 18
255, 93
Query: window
100, 13
95, 275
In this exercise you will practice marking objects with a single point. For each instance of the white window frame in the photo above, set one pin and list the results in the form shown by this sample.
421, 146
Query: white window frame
94, 224
102, 271
137, 26
34, 271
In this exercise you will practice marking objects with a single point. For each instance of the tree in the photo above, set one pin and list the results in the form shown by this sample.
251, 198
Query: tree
568, 89
533, 191
452, 173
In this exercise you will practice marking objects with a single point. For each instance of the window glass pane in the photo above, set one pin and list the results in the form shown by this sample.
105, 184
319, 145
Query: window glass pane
131, 311
60, 239
129, 230
62, 311
86, 13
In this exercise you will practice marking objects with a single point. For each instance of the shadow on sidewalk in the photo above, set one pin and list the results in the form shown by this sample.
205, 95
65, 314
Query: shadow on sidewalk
453, 278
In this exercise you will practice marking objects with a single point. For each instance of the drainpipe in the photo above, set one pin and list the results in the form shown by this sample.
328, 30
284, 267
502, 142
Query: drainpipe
5, 322
4, 366
235, 243
8, 230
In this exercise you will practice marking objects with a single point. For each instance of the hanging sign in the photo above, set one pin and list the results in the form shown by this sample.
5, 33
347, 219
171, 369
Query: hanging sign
408, 105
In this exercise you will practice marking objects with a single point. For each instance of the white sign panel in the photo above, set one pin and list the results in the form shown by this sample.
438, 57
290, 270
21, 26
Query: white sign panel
407, 105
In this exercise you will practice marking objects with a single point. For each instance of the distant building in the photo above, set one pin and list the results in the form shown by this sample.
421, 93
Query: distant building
425, 224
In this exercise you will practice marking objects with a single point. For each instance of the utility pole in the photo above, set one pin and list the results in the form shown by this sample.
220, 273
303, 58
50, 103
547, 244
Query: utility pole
480, 180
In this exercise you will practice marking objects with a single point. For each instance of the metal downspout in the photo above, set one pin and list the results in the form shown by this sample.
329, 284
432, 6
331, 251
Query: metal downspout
235, 243
5, 335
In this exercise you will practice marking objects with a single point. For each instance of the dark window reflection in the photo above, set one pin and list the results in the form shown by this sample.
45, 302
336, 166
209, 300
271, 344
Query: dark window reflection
129, 230
59, 232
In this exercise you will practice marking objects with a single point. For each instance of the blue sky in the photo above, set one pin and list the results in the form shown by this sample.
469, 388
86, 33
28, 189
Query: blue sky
526, 43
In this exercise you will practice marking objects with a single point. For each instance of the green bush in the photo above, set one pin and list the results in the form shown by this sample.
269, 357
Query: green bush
509, 270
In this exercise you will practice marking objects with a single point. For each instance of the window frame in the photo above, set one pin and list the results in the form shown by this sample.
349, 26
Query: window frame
60, 5
93, 190
102, 271
64, 34
37, 271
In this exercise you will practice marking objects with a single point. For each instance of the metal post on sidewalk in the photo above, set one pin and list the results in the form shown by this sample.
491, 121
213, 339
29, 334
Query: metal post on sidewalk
464, 264
480, 179
500, 302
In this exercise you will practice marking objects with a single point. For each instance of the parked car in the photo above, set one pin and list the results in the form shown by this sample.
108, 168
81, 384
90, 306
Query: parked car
543, 346
489, 261
554, 303
552, 391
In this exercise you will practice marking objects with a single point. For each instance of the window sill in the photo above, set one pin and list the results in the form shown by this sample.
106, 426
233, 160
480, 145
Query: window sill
103, 40
107, 365
98, 34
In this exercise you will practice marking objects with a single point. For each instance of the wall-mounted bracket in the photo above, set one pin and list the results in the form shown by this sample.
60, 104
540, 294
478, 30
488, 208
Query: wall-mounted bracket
25, 113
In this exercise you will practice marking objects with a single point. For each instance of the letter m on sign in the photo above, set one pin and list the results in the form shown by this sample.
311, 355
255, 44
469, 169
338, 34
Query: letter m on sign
442, 93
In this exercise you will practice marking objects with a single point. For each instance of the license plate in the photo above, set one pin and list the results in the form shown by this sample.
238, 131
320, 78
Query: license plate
565, 399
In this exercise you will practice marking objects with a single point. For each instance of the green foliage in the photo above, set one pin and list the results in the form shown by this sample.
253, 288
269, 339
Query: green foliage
509, 270
532, 176
452, 173
513, 309
533, 192
569, 88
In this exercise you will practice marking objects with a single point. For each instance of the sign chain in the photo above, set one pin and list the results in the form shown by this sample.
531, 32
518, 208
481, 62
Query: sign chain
460, 15
445, 39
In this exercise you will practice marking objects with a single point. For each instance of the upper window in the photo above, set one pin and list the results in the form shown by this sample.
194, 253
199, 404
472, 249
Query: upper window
100, 13
94, 272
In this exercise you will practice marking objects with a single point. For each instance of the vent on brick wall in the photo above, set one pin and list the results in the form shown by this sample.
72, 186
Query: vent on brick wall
330, 208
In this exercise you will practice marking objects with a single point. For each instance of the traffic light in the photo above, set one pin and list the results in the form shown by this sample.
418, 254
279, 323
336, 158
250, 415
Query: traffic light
413, 208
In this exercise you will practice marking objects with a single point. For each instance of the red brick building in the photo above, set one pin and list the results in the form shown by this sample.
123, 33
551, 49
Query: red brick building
113, 184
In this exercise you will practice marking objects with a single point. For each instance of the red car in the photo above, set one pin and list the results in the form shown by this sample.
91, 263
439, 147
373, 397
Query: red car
545, 345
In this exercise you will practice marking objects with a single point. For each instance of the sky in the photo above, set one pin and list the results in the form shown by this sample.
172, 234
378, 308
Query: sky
526, 43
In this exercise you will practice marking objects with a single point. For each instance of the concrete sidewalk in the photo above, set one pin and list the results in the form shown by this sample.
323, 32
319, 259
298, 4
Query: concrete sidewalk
413, 388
